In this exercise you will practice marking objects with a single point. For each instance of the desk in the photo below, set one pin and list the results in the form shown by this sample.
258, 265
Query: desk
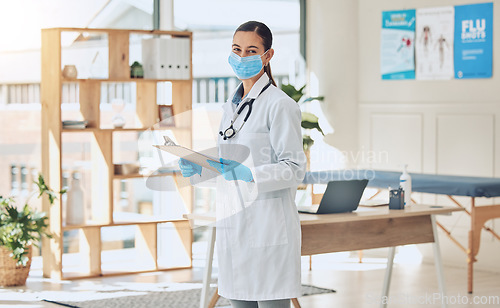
363, 229
449, 185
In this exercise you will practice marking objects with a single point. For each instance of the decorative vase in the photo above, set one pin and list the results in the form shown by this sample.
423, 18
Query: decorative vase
118, 105
98, 67
75, 214
69, 72
12, 274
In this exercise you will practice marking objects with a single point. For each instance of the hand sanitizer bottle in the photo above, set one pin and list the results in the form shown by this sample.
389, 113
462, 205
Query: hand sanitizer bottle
405, 183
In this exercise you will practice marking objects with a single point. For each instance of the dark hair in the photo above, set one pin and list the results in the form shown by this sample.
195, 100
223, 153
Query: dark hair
267, 38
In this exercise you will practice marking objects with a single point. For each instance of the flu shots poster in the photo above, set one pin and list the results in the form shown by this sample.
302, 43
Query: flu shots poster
434, 43
473, 40
397, 45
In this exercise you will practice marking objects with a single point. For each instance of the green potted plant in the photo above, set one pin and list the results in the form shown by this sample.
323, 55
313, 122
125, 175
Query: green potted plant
136, 70
309, 120
20, 229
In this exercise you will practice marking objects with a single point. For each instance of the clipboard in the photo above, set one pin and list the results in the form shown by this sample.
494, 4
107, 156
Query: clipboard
188, 154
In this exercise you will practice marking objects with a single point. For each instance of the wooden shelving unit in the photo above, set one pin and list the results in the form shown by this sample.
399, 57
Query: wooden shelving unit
90, 244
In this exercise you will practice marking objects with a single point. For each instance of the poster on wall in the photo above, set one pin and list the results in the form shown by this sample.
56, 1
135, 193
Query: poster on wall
397, 60
473, 40
434, 43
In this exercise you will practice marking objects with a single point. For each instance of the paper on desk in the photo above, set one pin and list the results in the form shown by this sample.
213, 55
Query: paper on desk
373, 202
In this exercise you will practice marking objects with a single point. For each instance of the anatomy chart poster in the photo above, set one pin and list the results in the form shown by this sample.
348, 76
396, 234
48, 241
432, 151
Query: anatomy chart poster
397, 45
473, 40
434, 43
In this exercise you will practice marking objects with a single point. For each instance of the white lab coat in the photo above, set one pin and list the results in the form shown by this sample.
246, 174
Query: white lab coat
258, 228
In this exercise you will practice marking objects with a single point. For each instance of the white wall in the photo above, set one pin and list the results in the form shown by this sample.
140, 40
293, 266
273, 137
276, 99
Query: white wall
332, 47
443, 127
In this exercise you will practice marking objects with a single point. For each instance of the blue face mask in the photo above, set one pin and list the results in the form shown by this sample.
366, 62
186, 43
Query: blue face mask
246, 67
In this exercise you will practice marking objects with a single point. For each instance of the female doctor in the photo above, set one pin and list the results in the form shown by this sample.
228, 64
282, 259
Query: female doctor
262, 163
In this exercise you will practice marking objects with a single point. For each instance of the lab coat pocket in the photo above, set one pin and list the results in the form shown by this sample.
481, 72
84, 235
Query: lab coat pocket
266, 223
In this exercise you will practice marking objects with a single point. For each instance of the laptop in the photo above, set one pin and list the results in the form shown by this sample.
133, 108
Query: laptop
339, 197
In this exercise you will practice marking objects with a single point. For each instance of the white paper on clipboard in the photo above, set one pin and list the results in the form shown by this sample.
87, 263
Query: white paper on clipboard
188, 154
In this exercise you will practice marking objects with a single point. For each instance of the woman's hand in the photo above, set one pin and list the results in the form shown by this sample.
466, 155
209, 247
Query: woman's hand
188, 168
232, 170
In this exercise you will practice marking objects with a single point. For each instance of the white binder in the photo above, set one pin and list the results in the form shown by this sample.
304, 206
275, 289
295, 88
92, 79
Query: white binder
151, 58
176, 53
168, 58
185, 58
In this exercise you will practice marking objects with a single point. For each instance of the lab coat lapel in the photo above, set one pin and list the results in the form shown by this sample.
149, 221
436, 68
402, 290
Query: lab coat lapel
229, 107
258, 86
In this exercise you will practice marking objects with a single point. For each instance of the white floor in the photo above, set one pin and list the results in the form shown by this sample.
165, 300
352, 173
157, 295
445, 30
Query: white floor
357, 284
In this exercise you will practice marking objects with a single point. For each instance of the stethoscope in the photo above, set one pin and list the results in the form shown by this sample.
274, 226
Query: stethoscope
231, 131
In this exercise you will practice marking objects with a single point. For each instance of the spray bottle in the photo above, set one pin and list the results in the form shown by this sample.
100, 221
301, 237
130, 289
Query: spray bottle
405, 183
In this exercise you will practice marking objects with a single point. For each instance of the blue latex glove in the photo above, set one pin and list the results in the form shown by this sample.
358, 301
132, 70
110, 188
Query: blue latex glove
232, 170
188, 168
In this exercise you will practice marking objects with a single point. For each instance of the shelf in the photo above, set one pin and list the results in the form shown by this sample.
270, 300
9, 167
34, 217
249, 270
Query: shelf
138, 80
101, 187
118, 261
122, 223
139, 31
125, 129
136, 129
70, 275
138, 175
78, 130
154, 127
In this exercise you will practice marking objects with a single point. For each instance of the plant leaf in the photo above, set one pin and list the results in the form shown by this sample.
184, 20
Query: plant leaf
309, 117
319, 98
292, 92
307, 142
21, 228
310, 121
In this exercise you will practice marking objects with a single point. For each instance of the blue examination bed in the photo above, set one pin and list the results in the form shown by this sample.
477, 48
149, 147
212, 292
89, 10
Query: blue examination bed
424, 183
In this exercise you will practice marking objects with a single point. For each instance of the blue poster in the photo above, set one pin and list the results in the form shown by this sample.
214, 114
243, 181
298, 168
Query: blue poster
397, 53
473, 40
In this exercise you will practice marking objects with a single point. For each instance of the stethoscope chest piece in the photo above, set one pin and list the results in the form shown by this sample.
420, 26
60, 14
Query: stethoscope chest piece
228, 133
